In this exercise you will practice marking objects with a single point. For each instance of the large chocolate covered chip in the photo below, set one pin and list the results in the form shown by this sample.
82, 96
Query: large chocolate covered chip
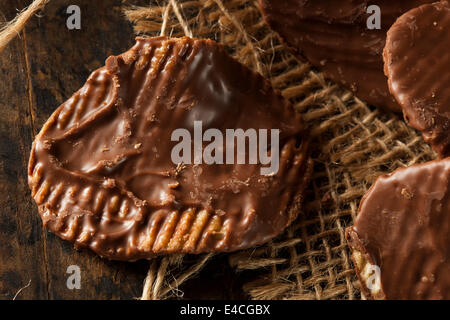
401, 238
417, 63
334, 37
102, 169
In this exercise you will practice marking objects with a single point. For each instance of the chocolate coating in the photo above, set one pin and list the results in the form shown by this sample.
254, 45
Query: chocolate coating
333, 36
403, 227
417, 64
101, 172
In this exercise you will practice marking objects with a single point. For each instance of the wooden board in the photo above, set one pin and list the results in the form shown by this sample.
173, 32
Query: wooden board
38, 71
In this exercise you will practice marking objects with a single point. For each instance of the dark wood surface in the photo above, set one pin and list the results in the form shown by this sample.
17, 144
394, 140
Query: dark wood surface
39, 70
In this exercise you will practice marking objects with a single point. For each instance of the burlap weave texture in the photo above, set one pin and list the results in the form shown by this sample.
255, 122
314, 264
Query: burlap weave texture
352, 145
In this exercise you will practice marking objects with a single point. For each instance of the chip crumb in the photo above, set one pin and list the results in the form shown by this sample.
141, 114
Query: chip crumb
173, 185
407, 194
109, 183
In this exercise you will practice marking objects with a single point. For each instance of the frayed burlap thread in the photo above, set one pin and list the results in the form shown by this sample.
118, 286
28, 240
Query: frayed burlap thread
353, 144
11, 29
166, 274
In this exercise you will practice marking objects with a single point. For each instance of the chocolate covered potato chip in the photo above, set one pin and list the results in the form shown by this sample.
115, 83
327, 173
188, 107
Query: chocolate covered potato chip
417, 64
334, 37
102, 172
400, 241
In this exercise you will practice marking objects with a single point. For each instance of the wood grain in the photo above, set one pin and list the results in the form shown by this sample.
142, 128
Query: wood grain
38, 71
20, 232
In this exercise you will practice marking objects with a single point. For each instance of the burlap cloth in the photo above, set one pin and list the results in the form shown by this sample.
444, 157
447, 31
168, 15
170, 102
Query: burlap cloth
352, 145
